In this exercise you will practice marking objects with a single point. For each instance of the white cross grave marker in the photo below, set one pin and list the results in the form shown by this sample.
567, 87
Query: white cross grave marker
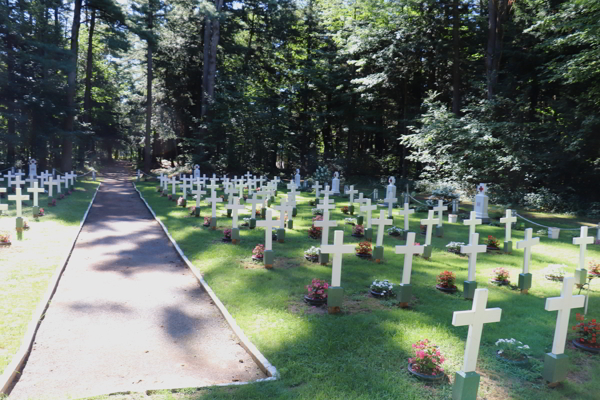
282, 208
351, 192
50, 183
173, 185
337, 249
198, 192
35, 190
269, 223
526, 244
471, 222
317, 187
390, 202
213, 200
563, 305
409, 250
583, 240
472, 249
405, 213
30, 180
440, 210
326, 223
381, 222
475, 319
429, 222
368, 209
254, 202
19, 198
508, 220
236, 206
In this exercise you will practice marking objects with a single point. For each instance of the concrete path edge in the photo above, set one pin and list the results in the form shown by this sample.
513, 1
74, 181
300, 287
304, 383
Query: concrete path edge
256, 355
12, 370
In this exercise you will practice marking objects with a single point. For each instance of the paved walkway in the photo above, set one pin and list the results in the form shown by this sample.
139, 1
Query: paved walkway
128, 315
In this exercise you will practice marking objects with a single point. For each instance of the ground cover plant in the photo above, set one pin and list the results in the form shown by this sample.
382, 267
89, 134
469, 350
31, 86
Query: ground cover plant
373, 339
27, 266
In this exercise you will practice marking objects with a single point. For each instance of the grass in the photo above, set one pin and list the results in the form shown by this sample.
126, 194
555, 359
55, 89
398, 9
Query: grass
27, 266
362, 353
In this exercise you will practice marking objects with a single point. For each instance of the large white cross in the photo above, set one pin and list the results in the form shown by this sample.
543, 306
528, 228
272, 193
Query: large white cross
475, 319
248, 175
526, 244
381, 222
19, 198
508, 220
30, 180
408, 250
236, 206
60, 180
471, 222
10, 177
390, 202
563, 305
269, 223
405, 213
213, 186
440, 210
173, 185
326, 223
17, 182
368, 209
291, 186
583, 240
337, 249
317, 187
240, 186
351, 192
163, 182
50, 183
429, 222
198, 192
214, 200
261, 180
472, 249
282, 208
71, 176
35, 190
254, 202
185, 185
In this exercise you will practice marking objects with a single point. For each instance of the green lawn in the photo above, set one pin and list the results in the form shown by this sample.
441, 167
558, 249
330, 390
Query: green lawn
362, 353
28, 265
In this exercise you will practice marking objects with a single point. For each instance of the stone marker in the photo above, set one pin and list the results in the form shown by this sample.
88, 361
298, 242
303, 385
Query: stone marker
481, 204
196, 171
335, 183
466, 382
583, 240
213, 200
35, 190
508, 221
19, 198
269, 223
429, 222
335, 293
390, 191
405, 290
556, 362
472, 249
439, 229
297, 178
472, 222
32, 168
325, 224
526, 243
405, 213
351, 192
381, 223
235, 231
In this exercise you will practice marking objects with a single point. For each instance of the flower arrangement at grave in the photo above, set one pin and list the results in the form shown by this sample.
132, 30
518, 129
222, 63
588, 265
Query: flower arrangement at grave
206, 221
382, 289
52, 203
492, 243
423, 229
26, 225
317, 292
364, 249
446, 281
500, 276
158, 189
512, 350
454, 247
61, 196
586, 332
312, 254
315, 232
427, 360
258, 253
318, 218
594, 269
358, 231
258, 211
597, 242
246, 222
181, 202
350, 221
312, 203
395, 231
345, 209
227, 235
169, 197
555, 272
317, 211
41, 212
5, 238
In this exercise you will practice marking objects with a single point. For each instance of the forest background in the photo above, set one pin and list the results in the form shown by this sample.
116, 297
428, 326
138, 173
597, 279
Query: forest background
450, 92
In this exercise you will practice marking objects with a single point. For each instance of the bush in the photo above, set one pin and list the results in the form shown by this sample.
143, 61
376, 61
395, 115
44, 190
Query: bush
323, 175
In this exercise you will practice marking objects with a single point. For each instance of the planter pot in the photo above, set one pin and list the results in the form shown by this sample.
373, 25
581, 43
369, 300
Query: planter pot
457, 252
585, 347
512, 362
499, 283
364, 256
555, 278
446, 290
314, 302
257, 259
429, 378
379, 295
493, 248
358, 236
226, 240
3, 244
314, 258
395, 234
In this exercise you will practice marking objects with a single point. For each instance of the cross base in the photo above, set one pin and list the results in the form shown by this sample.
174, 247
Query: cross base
335, 297
196, 212
268, 258
19, 224
290, 224
50, 200
269, 202
252, 223
452, 218
581, 276
323, 258
351, 209
369, 234
360, 220
555, 367
36, 211
507, 247
213, 223
229, 210
235, 235
427, 252
466, 385
404, 293
263, 212
378, 253
281, 235
469, 289
524, 282
439, 231
294, 212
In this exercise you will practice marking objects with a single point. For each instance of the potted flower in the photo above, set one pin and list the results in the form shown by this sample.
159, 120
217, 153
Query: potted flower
41, 212
181, 202
170, 197
5, 239
382, 289
206, 221
555, 272
26, 225
317, 211
312, 254
446, 282
492, 243
226, 235
454, 247
257, 213
345, 209
594, 270
61, 196
258, 253
315, 232
364, 249
52, 203
395, 231
317, 295
350, 221
358, 231
246, 222
427, 362
586, 334
500, 276
512, 351
423, 229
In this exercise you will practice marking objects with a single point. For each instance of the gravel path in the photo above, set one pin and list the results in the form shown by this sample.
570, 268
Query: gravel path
127, 314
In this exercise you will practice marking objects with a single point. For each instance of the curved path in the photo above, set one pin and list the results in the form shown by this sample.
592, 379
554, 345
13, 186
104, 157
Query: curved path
128, 315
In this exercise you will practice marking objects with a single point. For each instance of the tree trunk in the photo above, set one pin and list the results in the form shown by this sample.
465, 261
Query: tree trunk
498, 14
456, 62
147, 146
87, 97
211, 40
67, 142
